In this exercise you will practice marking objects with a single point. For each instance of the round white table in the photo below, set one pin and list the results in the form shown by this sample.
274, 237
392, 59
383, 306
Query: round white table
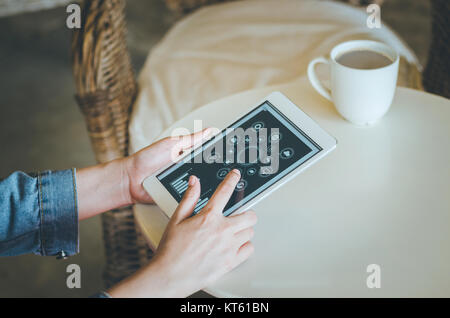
382, 197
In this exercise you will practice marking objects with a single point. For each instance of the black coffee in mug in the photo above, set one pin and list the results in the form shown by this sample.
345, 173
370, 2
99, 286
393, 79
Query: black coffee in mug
360, 87
363, 59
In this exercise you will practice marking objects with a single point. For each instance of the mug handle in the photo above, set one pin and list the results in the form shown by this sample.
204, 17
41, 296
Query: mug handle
314, 80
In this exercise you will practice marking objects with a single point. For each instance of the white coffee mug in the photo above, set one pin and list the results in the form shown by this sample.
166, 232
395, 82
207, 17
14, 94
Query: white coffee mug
362, 96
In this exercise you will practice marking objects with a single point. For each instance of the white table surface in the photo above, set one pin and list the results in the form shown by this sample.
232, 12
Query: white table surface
382, 197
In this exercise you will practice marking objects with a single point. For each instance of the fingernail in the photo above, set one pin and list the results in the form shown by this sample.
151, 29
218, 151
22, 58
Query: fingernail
192, 180
236, 171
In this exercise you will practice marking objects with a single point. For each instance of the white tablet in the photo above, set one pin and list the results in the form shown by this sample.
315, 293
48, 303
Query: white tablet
270, 145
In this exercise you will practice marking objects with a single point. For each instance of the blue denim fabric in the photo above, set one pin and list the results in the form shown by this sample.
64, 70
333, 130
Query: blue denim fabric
38, 213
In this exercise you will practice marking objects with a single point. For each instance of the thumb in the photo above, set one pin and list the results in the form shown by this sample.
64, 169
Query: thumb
180, 144
190, 199
188, 141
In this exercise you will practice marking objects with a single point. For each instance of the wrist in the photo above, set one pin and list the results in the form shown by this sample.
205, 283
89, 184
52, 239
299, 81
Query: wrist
150, 281
124, 180
101, 188
171, 277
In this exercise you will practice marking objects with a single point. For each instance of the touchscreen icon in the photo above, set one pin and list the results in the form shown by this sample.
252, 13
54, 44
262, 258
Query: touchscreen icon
265, 171
241, 185
274, 137
258, 125
248, 156
180, 184
214, 157
286, 153
251, 171
222, 173
200, 205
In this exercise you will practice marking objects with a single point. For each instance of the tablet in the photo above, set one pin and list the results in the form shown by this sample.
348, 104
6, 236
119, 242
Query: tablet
270, 145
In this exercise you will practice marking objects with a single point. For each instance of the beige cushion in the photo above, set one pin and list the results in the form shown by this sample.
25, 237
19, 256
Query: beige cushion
224, 49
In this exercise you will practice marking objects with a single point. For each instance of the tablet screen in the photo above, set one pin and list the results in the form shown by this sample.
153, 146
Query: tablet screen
264, 145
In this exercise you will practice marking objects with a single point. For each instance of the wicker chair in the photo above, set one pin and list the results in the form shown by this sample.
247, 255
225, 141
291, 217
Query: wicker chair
106, 89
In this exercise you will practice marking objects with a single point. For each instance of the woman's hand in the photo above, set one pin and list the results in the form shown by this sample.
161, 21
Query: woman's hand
195, 251
150, 159
118, 183
198, 250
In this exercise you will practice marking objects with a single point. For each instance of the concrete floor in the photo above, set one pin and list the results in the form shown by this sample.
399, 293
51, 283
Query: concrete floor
41, 127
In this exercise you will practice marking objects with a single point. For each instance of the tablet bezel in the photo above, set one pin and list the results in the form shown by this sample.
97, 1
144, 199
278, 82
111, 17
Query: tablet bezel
167, 202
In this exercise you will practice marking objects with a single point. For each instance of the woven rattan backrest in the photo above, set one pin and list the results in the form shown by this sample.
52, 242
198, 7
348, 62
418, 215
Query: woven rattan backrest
104, 76
106, 89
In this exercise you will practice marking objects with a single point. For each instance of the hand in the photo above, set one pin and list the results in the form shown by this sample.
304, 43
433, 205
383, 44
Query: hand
150, 159
197, 250
118, 183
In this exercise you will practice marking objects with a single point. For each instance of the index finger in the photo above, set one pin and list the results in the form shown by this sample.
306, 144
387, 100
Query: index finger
180, 144
224, 191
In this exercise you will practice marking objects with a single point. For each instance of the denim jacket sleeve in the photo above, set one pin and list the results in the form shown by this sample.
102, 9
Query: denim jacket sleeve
38, 213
